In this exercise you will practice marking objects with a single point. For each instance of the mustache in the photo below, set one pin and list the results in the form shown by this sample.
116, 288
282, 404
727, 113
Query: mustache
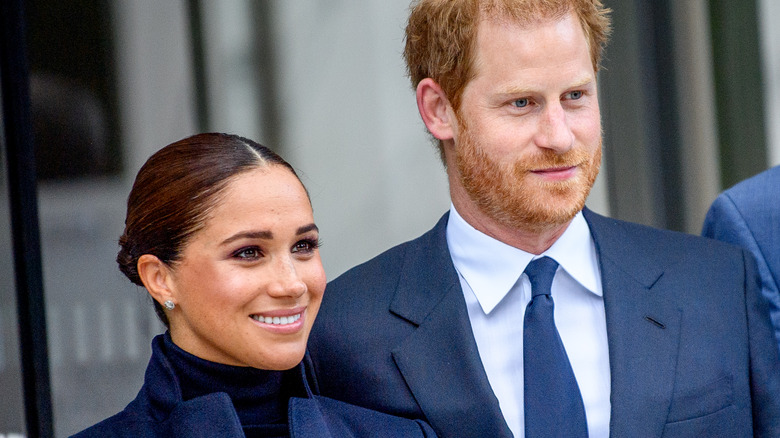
549, 159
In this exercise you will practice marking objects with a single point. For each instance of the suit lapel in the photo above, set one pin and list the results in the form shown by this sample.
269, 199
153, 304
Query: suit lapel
440, 361
643, 329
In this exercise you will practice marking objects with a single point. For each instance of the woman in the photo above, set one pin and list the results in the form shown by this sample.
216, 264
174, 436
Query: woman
220, 232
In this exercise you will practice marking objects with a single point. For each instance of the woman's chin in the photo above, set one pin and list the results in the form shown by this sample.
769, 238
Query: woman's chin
281, 361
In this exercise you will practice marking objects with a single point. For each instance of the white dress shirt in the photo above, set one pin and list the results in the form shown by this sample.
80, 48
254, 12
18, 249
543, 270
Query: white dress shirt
497, 292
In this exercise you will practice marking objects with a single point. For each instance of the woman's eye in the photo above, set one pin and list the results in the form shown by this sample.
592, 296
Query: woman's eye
306, 245
521, 103
248, 253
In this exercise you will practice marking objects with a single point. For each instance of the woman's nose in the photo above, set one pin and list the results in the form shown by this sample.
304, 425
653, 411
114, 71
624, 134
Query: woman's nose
286, 281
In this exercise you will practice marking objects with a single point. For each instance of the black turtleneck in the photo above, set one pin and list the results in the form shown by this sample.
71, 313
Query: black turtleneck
260, 397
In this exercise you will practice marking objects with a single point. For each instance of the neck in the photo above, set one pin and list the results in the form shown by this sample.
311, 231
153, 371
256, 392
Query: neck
259, 396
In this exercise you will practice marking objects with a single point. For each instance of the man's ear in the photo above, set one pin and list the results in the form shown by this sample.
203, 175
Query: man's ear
155, 276
435, 109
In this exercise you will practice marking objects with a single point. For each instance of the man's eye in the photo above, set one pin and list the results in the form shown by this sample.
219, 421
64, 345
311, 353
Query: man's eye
574, 95
521, 103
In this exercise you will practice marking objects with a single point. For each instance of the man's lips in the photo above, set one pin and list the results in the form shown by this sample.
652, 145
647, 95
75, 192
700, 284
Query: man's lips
556, 173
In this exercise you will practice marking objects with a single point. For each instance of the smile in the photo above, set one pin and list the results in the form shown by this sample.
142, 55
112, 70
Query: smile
276, 320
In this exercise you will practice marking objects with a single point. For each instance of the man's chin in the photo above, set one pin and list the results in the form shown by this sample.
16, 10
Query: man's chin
544, 212
550, 220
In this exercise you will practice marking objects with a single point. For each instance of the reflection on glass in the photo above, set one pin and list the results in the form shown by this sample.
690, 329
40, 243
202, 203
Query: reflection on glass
98, 326
12, 410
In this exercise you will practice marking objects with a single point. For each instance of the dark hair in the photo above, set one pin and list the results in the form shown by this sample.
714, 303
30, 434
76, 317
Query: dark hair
174, 192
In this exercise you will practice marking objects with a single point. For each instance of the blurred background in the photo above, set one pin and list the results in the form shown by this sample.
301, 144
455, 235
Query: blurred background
690, 98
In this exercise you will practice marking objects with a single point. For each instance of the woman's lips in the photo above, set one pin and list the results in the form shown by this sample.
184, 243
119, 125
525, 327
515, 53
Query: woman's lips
282, 321
277, 320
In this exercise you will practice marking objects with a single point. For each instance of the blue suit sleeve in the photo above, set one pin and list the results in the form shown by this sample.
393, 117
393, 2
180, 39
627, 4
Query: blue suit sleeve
764, 358
726, 222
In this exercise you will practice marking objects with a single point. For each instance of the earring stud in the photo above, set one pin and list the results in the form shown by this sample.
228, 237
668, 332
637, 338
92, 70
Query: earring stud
169, 304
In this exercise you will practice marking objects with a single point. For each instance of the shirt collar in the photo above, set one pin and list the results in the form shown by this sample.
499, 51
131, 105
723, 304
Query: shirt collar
491, 268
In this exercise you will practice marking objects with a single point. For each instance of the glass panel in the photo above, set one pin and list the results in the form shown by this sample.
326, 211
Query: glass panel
72, 88
12, 410
770, 55
99, 324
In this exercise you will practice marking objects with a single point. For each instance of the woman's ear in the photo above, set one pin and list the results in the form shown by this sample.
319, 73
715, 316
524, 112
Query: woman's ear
435, 109
155, 276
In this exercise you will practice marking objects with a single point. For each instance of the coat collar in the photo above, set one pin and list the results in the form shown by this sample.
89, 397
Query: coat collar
440, 361
162, 396
209, 415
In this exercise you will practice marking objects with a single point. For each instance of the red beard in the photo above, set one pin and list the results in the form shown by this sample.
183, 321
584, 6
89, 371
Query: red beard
509, 194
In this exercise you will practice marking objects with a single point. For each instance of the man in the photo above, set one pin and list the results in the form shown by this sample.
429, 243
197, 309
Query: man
654, 333
748, 215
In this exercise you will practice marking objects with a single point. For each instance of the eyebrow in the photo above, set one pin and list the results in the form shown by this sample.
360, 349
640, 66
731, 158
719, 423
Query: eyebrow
307, 228
265, 234
523, 90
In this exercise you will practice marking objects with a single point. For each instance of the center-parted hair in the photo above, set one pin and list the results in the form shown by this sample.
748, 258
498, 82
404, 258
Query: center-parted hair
176, 189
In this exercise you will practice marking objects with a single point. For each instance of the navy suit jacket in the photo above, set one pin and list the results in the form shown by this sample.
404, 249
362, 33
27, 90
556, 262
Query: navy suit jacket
748, 215
690, 345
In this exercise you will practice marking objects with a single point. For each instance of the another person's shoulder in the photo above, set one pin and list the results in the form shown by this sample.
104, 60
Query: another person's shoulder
764, 183
744, 209
755, 194
647, 237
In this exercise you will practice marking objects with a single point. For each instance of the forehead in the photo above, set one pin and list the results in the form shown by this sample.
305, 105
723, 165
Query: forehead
266, 196
530, 44
270, 184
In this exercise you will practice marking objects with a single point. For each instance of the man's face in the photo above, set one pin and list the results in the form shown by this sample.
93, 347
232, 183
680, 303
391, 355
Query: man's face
528, 144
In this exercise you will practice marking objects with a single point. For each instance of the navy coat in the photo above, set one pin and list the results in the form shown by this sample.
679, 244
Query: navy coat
159, 411
691, 349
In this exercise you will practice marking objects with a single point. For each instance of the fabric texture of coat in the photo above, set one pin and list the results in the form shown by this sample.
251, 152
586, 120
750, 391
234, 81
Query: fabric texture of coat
748, 215
159, 411
690, 344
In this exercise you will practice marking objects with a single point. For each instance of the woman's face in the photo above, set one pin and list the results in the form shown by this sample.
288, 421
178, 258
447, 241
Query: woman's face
249, 284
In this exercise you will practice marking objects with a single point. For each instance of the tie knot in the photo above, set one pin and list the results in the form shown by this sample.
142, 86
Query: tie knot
541, 272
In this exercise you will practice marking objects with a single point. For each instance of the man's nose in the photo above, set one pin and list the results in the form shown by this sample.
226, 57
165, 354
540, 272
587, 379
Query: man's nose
554, 131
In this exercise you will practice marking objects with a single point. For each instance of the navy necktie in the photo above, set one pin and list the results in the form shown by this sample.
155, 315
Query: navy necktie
553, 404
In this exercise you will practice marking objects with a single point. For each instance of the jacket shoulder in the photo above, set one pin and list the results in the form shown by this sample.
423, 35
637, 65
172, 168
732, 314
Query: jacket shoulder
384, 270
759, 187
633, 236
312, 416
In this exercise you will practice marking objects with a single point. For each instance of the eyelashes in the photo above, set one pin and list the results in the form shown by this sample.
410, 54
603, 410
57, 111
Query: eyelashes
255, 252
247, 253
306, 245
